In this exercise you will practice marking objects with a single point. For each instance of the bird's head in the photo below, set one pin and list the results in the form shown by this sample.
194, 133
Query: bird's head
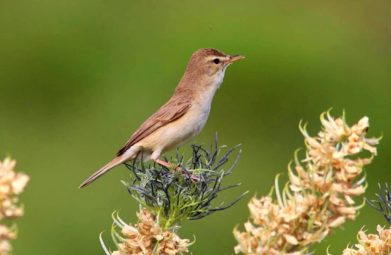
209, 65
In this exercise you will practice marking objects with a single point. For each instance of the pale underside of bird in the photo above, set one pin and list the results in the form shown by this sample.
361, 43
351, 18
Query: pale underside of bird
182, 117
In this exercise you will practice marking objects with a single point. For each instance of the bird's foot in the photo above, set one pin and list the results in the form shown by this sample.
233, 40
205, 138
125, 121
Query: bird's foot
194, 178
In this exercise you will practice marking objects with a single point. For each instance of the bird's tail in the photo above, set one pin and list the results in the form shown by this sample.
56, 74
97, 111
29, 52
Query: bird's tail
115, 162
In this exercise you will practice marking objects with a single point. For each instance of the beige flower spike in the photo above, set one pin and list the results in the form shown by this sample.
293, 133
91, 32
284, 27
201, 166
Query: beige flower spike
319, 195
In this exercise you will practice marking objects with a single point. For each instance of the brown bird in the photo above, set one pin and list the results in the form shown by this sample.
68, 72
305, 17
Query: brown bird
182, 117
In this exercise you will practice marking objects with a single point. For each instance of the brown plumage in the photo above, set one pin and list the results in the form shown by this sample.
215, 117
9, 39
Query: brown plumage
178, 105
182, 117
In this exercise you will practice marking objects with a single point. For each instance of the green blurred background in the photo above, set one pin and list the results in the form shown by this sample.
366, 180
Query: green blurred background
77, 77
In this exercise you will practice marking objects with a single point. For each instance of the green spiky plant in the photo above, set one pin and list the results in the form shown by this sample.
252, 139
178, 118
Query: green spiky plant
382, 203
187, 191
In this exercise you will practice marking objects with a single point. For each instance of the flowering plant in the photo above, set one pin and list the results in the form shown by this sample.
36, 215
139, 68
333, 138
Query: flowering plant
169, 196
12, 183
319, 195
380, 243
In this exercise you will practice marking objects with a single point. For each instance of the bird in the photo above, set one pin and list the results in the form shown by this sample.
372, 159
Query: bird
182, 117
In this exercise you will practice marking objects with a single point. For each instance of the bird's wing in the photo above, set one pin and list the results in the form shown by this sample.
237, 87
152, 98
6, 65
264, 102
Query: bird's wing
175, 108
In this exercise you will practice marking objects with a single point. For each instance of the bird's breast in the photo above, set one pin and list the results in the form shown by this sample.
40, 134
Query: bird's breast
199, 116
183, 129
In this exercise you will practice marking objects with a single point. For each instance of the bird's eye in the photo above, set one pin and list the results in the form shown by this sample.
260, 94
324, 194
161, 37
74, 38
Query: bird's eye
216, 61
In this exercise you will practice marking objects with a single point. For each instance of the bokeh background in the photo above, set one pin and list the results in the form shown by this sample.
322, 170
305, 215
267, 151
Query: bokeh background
77, 77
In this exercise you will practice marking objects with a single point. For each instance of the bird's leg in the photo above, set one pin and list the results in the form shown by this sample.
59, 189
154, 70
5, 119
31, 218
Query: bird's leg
168, 164
177, 168
163, 163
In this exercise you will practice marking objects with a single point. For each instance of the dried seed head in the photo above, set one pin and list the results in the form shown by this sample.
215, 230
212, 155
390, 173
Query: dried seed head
12, 184
147, 238
319, 195
372, 244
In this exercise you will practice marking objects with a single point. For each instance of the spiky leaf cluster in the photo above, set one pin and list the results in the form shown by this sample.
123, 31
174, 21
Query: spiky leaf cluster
382, 203
189, 188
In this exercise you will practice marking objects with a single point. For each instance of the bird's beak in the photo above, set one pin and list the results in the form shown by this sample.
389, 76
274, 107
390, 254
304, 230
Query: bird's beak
234, 58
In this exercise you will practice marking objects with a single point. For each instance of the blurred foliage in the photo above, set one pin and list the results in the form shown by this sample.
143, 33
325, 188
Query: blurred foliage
78, 77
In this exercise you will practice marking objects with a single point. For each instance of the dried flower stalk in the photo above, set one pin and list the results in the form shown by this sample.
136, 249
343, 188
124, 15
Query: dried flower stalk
12, 184
380, 243
146, 238
319, 195
372, 244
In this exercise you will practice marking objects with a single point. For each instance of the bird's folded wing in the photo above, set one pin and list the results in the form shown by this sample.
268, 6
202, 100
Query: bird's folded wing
171, 111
